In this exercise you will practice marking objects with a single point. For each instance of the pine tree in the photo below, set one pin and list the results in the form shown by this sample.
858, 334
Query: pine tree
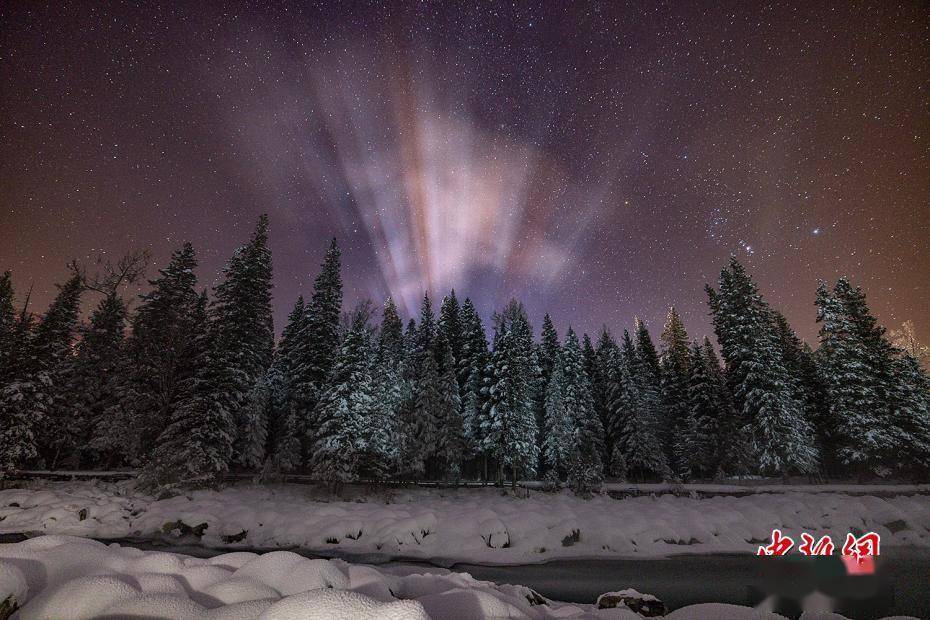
509, 425
195, 448
32, 397
858, 411
575, 444
53, 347
589, 355
426, 330
472, 380
423, 427
449, 327
910, 404
158, 363
450, 427
349, 442
547, 353
874, 409
559, 438
390, 385
93, 386
7, 326
601, 386
640, 447
391, 336
782, 439
316, 347
675, 364
734, 454
241, 317
700, 439
809, 390
282, 450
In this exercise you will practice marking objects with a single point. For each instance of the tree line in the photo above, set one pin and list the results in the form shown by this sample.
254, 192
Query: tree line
189, 386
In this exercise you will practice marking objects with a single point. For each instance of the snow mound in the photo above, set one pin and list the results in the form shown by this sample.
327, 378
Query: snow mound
64, 577
341, 605
82, 597
290, 573
721, 611
13, 584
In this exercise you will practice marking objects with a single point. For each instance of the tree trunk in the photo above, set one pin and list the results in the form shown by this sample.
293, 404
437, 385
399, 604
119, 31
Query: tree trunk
513, 483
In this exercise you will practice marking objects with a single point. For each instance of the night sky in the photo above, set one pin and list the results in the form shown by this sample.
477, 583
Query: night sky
595, 160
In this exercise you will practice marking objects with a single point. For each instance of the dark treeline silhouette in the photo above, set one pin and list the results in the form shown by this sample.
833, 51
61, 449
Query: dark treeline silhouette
188, 387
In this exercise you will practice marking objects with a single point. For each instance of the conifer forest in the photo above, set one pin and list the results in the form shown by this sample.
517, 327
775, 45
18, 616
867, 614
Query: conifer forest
188, 384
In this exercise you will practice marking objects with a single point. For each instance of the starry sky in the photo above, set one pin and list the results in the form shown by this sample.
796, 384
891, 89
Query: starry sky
597, 160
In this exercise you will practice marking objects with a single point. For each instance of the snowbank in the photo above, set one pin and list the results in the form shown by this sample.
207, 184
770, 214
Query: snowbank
70, 577
466, 525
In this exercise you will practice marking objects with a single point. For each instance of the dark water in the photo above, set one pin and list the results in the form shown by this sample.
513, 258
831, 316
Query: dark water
900, 585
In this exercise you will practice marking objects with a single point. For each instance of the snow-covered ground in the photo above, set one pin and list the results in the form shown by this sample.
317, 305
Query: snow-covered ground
467, 525
68, 577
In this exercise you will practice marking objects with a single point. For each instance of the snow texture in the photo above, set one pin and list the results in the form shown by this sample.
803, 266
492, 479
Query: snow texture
71, 577
464, 525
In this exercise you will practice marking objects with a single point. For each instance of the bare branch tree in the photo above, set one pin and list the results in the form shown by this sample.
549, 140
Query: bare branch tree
110, 277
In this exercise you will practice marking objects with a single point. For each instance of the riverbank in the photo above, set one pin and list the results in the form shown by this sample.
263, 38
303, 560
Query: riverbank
448, 526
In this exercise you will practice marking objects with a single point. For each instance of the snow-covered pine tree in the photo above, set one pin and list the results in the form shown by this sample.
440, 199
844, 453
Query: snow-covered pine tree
910, 402
733, 451
93, 385
423, 428
426, 330
471, 375
700, 440
557, 444
40, 359
601, 386
547, 352
897, 383
641, 442
782, 439
350, 442
798, 359
316, 347
509, 425
53, 348
872, 406
589, 356
195, 447
390, 385
391, 335
241, 318
450, 424
585, 466
157, 364
7, 325
410, 339
282, 450
20, 397
675, 363
858, 413
420, 403
450, 327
